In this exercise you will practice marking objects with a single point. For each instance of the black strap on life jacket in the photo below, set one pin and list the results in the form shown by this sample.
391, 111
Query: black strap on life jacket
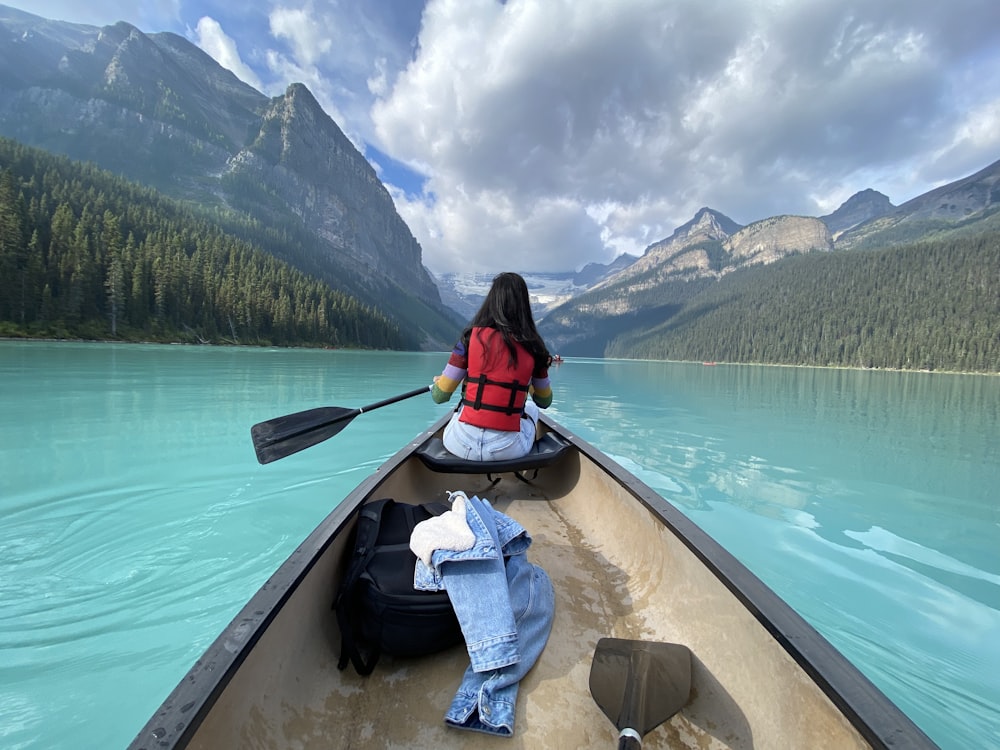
482, 381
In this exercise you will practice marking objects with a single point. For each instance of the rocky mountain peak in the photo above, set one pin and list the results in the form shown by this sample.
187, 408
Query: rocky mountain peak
592, 273
680, 252
972, 198
859, 208
707, 224
290, 128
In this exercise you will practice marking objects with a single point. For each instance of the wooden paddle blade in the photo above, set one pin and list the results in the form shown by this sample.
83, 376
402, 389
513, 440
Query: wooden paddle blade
640, 684
283, 436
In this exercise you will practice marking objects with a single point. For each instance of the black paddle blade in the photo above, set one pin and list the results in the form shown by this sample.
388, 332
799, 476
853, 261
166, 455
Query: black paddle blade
283, 436
640, 684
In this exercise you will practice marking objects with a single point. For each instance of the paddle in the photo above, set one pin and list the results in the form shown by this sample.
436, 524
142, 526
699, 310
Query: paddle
283, 436
639, 685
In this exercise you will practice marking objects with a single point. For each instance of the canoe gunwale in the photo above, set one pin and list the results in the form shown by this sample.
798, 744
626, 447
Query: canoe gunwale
880, 721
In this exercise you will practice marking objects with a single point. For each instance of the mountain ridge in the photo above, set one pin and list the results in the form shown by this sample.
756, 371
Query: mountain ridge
969, 199
702, 251
157, 109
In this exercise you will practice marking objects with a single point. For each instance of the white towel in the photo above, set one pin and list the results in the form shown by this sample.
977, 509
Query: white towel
448, 531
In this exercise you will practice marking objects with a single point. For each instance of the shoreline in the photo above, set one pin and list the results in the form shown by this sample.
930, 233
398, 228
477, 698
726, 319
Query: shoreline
714, 363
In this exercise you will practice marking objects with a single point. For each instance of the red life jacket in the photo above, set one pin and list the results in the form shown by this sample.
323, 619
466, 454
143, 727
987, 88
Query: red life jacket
495, 393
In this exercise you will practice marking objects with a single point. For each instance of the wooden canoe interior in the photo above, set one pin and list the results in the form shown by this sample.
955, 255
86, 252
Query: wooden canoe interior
616, 572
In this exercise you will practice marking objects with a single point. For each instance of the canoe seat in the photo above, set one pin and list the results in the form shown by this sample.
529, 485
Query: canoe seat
547, 450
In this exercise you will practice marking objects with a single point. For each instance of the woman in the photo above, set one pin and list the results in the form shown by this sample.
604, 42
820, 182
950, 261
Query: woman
502, 358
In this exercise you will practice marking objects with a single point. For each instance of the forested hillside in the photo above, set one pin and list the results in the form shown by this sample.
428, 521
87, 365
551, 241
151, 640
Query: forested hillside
86, 254
932, 305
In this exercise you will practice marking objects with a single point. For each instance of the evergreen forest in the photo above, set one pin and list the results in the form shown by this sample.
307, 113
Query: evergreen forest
930, 305
86, 254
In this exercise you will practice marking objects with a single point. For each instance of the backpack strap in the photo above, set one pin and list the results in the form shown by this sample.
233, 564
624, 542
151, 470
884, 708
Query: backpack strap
369, 521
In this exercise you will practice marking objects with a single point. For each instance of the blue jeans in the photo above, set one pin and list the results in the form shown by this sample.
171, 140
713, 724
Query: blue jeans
477, 583
481, 444
485, 701
505, 610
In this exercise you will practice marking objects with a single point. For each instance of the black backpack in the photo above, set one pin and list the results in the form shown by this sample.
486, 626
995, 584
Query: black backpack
378, 609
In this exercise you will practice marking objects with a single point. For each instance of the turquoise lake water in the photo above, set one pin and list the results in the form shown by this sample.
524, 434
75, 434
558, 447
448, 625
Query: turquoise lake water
136, 520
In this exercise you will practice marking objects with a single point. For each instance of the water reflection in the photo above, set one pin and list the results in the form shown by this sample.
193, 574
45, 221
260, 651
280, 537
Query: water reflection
911, 451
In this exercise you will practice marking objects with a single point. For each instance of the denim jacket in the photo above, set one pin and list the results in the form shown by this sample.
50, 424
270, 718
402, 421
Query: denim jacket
505, 610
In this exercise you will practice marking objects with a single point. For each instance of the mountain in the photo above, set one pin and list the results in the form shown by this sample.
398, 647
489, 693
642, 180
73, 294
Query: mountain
928, 305
595, 273
295, 153
86, 254
156, 109
966, 205
859, 208
672, 271
770, 240
684, 251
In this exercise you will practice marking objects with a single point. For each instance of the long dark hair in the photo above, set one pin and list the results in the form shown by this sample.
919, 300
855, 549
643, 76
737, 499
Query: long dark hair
507, 308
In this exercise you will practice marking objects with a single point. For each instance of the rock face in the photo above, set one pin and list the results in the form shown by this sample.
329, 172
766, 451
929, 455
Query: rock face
775, 238
295, 151
154, 108
158, 110
710, 245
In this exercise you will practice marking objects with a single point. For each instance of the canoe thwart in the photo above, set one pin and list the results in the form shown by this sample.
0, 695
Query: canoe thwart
639, 684
546, 451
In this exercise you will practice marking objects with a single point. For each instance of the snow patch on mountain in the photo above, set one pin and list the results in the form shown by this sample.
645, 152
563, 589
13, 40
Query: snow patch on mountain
465, 292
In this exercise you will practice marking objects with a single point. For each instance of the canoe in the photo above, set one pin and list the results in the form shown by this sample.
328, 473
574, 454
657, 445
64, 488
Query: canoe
628, 570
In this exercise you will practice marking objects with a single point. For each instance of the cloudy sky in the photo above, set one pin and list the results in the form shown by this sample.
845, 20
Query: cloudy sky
539, 135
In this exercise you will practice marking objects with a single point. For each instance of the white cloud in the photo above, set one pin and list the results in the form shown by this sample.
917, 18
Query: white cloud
378, 82
980, 130
974, 143
553, 133
614, 123
211, 38
310, 38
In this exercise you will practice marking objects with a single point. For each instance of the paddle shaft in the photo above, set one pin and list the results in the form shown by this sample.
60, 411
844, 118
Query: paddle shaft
347, 416
394, 399
629, 736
